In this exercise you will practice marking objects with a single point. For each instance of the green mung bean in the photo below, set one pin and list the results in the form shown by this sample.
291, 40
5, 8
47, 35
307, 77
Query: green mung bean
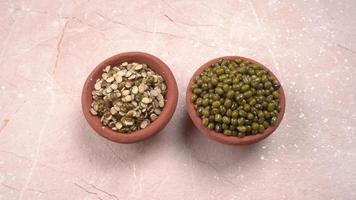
236, 98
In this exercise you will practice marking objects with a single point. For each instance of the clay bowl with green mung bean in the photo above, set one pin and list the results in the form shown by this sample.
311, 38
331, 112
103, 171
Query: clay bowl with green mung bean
235, 100
129, 97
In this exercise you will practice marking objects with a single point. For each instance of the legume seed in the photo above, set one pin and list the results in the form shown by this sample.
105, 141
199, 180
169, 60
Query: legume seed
145, 100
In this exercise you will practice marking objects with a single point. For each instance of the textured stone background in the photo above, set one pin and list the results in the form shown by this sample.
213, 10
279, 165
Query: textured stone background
48, 151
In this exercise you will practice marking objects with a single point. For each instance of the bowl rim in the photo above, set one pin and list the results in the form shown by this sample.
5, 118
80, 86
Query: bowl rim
153, 128
232, 140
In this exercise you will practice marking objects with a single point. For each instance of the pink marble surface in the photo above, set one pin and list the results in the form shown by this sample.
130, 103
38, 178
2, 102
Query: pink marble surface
48, 151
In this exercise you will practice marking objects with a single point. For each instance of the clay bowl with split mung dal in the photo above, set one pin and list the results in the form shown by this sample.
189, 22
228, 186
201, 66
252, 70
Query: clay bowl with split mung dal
154, 127
232, 140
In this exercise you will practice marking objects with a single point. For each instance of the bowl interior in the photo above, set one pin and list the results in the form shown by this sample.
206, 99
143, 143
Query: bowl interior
171, 97
219, 136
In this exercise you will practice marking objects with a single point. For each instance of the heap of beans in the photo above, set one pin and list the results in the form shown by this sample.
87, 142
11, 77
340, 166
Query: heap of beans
128, 97
236, 98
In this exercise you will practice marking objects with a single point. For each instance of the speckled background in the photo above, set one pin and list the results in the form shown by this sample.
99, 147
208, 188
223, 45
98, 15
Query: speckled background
48, 151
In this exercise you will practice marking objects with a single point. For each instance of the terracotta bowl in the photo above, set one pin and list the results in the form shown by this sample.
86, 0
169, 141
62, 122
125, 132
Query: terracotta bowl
172, 97
233, 140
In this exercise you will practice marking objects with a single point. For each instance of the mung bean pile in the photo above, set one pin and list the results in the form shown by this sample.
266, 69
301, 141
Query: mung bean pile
128, 97
236, 98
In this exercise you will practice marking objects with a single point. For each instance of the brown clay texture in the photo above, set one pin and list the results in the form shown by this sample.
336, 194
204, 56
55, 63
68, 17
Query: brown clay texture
231, 139
172, 97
